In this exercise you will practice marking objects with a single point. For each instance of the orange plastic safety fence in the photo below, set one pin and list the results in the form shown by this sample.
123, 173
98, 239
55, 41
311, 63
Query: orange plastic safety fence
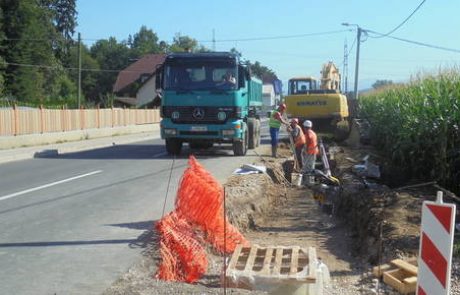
198, 205
183, 257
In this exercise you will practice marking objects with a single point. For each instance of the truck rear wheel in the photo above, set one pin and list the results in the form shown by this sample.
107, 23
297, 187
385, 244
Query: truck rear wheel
252, 133
240, 147
173, 146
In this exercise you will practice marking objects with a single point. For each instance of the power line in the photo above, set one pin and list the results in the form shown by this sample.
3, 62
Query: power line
418, 43
277, 37
401, 24
208, 41
68, 68
352, 45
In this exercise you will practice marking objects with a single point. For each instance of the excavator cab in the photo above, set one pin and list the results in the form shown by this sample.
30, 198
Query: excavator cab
319, 101
302, 85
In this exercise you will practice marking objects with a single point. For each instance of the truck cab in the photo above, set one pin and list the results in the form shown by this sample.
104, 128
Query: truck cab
208, 98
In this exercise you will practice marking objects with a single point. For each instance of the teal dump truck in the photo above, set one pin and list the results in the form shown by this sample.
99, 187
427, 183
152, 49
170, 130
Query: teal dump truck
209, 98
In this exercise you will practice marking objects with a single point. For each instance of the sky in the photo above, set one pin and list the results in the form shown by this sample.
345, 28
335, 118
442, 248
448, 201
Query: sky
294, 42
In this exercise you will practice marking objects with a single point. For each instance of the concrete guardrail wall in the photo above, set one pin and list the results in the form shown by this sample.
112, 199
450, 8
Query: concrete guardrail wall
18, 121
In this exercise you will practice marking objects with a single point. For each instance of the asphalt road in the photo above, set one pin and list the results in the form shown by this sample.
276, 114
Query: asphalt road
72, 224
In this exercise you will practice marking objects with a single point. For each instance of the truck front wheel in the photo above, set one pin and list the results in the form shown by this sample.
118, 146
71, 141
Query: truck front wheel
240, 147
173, 146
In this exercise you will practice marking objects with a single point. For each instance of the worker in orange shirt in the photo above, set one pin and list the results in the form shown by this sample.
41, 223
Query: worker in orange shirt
299, 140
311, 148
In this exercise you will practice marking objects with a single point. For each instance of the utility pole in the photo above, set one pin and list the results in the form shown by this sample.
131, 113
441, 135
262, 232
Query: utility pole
213, 40
345, 67
358, 45
79, 70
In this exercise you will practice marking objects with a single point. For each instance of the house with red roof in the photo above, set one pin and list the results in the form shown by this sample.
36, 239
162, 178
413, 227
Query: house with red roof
135, 85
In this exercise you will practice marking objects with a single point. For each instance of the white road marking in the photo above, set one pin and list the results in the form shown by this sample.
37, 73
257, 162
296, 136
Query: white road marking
48, 185
160, 155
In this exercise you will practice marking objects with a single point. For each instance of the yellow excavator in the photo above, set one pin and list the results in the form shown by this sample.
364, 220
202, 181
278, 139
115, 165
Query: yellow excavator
320, 101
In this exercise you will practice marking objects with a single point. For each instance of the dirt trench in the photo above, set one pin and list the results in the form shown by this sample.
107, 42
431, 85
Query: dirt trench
372, 223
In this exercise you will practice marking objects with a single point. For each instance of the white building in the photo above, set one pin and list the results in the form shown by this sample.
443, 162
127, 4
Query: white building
268, 97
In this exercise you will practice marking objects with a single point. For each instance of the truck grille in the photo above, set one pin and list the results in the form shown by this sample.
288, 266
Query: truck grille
209, 133
198, 114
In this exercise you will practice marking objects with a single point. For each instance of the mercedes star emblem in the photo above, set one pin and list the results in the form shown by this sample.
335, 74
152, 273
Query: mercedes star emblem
198, 113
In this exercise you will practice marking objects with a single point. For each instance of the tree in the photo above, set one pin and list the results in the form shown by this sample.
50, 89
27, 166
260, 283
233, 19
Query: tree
235, 51
144, 42
2, 66
28, 27
263, 72
183, 44
112, 57
381, 83
63, 15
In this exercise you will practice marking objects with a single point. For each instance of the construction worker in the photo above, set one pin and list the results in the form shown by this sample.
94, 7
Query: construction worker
276, 119
311, 148
299, 140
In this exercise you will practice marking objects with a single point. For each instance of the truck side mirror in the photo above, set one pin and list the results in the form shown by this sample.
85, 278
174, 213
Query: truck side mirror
241, 77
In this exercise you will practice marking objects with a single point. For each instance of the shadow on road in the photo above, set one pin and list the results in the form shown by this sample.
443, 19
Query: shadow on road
142, 241
138, 152
115, 152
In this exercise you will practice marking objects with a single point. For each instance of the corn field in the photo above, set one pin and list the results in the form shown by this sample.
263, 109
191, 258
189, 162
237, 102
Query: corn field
416, 126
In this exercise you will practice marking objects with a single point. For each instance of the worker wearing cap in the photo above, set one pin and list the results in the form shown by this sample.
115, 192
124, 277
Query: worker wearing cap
276, 119
311, 148
299, 139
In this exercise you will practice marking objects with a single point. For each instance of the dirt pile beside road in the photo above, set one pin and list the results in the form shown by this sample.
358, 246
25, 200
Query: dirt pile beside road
370, 216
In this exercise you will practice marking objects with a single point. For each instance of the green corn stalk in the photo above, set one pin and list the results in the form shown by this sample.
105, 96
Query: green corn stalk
416, 126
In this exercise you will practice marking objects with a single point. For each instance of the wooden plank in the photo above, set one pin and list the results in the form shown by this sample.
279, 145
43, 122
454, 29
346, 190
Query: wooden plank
389, 279
294, 260
397, 278
405, 265
378, 271
267, 260
251, 258
410, 280
410, 285
311, 263
235, 257
278, 261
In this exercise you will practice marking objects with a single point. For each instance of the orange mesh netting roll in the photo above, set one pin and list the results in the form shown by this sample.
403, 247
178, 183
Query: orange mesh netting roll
183, 257
198, 205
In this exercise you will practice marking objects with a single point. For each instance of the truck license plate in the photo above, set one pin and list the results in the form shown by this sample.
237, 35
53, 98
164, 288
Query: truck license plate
199, 128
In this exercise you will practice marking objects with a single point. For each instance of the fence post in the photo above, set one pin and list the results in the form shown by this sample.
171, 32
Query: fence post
98, 117
82, 118
124, 115
42, 120
62, 118
113, 119
15, 119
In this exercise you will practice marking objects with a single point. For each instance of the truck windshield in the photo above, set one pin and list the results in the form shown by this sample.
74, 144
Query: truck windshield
201, 76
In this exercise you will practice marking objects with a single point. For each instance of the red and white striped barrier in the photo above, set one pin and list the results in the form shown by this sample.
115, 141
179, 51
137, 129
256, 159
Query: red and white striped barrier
436, 243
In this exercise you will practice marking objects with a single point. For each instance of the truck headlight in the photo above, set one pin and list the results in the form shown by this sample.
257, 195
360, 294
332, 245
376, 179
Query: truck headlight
221, 116
175, 115
170, 131
229, 132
